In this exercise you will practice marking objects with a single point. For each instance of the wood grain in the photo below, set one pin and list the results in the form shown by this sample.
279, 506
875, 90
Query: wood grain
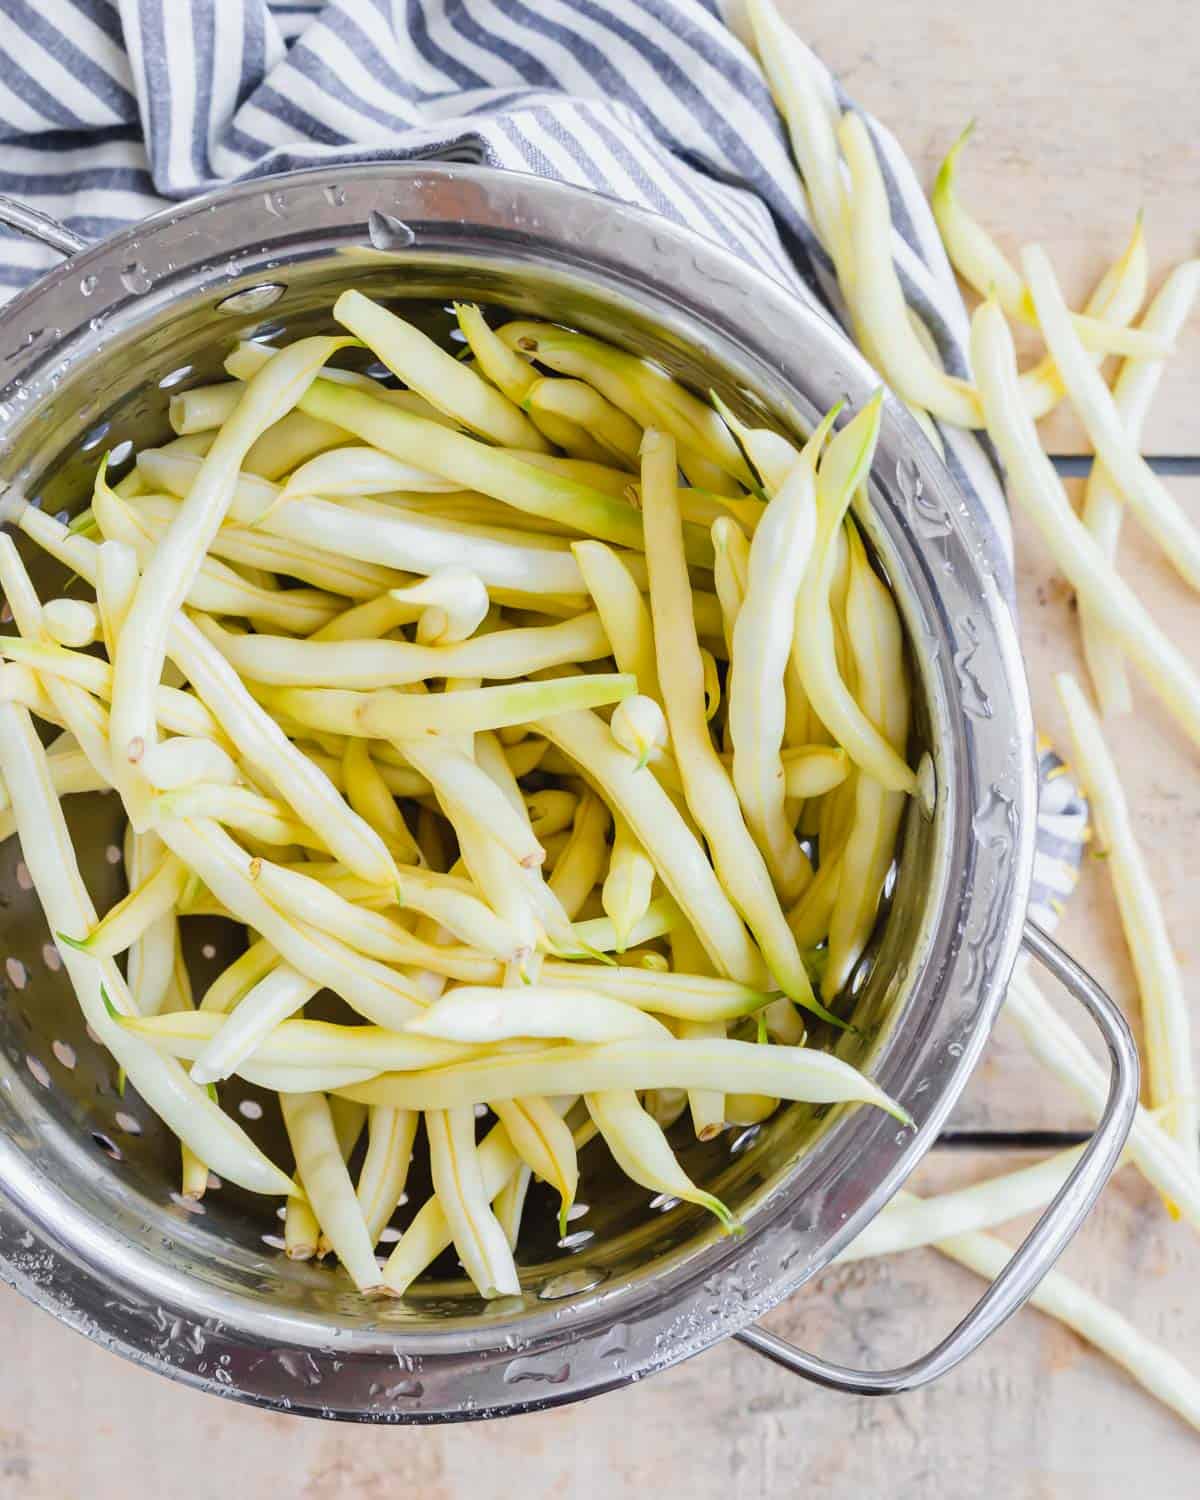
1087, 110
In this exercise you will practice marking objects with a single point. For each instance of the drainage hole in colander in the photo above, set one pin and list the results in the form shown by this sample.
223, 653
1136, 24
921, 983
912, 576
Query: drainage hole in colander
38, 1069
64, 1052
747, 1138
108, 1146
580, 1237
127, 1123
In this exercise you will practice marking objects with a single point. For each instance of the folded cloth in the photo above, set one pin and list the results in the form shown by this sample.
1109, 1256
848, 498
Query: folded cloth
110, 108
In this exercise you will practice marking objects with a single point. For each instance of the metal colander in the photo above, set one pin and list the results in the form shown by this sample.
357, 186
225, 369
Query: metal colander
91, 1224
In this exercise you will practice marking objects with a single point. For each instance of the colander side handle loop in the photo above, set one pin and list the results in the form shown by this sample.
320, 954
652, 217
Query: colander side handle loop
1049, 1236
39, 226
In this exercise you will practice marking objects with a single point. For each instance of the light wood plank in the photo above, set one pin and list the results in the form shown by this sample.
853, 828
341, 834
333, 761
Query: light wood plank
1087, 110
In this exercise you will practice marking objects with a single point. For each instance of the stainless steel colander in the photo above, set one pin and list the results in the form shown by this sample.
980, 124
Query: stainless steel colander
90, 1225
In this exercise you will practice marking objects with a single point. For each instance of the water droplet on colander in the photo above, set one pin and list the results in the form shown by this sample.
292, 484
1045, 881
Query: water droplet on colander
404, 1390
616, 1341
571, 1283
252, 300
88, 284
276, 203
27, 342
547, 1372
389, 233
335, 194
955, 1049
135, 278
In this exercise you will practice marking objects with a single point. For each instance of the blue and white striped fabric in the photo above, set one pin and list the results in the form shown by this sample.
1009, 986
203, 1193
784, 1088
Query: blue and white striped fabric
111, 108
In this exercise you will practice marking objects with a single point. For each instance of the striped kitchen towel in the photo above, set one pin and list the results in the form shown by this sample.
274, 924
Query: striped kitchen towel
111, 108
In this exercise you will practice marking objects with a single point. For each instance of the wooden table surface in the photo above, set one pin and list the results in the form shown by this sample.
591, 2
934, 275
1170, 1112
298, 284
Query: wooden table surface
1088, 110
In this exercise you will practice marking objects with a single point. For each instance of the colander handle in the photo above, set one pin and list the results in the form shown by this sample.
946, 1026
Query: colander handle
1049, 1236
40, 226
